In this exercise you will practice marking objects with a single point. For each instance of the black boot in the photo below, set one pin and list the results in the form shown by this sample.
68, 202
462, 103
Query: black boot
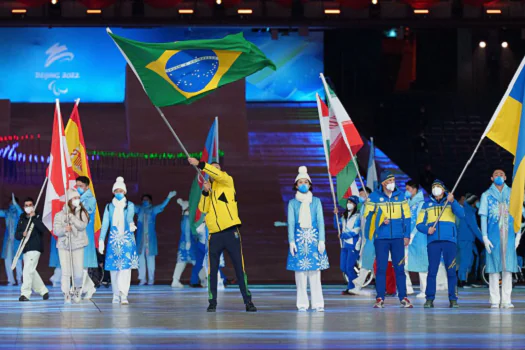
212, 307
250, 307
454, 304
45, 296
23, 298
429, 304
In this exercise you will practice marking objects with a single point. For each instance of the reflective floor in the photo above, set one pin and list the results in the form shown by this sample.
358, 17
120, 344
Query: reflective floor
164, 318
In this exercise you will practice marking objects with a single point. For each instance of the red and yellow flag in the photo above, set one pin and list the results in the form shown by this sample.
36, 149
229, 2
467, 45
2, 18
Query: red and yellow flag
79, 158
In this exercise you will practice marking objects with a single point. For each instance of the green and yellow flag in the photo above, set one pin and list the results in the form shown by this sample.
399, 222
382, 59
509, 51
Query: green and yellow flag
184, 71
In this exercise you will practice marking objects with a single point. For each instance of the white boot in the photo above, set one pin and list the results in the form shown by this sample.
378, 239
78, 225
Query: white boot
179, 269
77, 295
220, 282
116, 299
176, 284
124, 300
67, 299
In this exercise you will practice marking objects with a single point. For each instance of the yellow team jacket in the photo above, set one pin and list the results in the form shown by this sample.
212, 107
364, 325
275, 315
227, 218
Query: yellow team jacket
220, 204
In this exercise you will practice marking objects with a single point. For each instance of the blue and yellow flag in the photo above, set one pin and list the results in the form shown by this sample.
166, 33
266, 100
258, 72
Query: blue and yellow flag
507, 129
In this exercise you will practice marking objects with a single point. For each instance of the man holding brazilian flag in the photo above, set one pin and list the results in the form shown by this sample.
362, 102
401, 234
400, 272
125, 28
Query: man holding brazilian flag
180, 73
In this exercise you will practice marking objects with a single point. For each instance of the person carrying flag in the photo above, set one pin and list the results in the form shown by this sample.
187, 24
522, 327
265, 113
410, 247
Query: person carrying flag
218, 201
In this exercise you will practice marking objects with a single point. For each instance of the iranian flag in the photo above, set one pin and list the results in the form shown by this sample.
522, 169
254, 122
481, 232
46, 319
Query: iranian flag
59, 172
346, 184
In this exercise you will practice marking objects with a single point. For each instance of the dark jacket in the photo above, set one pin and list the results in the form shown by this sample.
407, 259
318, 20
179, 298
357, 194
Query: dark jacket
36, 240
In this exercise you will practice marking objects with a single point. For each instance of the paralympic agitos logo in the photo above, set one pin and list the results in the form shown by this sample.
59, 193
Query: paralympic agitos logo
55, 54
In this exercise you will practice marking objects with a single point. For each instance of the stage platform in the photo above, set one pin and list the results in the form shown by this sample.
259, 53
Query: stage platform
160, 317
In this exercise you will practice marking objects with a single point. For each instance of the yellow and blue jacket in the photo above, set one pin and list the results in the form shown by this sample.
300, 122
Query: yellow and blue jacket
446, 229
380, 207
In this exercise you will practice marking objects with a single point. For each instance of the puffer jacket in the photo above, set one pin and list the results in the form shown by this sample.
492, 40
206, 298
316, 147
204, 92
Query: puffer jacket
78, 236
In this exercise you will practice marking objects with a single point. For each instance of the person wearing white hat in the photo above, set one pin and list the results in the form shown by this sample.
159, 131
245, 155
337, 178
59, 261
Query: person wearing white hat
70, 228
121, 256
306, 235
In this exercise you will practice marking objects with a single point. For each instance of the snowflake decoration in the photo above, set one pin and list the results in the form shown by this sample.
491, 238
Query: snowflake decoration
305, 264
307, 236
322, 261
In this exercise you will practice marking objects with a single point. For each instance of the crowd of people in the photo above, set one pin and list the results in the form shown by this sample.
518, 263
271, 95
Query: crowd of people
390, 231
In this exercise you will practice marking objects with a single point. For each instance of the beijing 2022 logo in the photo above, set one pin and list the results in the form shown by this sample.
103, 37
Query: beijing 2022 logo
57, 79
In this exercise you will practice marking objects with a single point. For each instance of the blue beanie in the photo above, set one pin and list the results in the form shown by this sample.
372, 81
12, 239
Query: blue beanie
385, 175
354, 199
438, 182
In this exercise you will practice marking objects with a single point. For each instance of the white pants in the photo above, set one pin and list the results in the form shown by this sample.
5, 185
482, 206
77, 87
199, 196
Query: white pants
506, 288
120, 282
179, 269
316, 290
10, 276
360, 280
149, 262
423, 282
87, 284
75, 258
410, 289
32, 280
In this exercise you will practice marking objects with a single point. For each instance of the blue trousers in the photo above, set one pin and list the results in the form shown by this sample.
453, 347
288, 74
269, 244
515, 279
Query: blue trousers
199, 262
466, 258
349, 257
435, 249
396, 247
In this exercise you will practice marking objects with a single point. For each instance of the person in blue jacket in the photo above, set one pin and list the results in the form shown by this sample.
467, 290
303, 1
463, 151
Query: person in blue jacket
441, 239
387, 216
10, 246
147, 236
468, 231
350, 225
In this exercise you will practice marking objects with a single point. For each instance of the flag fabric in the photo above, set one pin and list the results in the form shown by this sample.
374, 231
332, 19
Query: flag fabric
371, 176
507, 129
346, 185
209, 154
342, 130
184, 71
79, 159
59, 172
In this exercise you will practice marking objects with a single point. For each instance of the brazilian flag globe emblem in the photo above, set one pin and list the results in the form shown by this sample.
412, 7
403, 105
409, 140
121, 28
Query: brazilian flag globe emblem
184, 71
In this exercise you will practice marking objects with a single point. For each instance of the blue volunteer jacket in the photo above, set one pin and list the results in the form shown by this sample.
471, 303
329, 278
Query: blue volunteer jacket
380, 207
468, 229
446, 229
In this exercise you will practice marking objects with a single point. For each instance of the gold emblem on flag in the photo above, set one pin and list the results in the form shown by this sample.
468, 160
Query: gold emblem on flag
76, 160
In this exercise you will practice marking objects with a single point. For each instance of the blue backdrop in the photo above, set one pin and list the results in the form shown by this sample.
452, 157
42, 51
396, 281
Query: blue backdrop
41, 64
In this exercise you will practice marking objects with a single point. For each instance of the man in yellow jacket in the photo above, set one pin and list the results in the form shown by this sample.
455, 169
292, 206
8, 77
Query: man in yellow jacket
219, 203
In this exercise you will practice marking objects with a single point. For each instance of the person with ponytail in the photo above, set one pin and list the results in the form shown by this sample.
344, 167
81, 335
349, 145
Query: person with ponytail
306, 236
70, 228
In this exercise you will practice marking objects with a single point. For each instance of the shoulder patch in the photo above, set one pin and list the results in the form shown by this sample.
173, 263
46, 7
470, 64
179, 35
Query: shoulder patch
381, 199
395, 198
430, 205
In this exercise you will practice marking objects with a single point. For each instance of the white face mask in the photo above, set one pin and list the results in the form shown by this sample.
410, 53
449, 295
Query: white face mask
350, 206
391, 187
28, 210
437, 191
76, 203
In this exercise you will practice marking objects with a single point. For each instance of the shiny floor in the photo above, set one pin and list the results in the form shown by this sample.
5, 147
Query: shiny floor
163, 318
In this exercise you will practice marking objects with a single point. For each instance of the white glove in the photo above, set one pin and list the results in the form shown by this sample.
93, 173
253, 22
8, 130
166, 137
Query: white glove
518, 238
172, 194
321, 247
358, 244
188, 245
201, 229
13, 198
132, 227
101, 247
293, 248
411, 239
488, 244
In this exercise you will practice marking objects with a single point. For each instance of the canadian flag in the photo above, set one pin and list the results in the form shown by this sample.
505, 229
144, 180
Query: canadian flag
59, 172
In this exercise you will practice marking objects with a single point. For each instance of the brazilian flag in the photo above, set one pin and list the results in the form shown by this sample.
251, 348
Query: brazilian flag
184, 71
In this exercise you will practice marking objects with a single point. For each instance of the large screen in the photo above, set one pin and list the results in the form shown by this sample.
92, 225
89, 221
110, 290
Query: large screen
42, 64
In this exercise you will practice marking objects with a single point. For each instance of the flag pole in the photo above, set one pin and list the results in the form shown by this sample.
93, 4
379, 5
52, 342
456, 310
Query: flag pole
217, 138
489, 125
25, 239
330, 180
65, 183
344, 137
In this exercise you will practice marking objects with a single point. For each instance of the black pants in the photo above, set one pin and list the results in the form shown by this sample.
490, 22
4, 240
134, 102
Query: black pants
229, 240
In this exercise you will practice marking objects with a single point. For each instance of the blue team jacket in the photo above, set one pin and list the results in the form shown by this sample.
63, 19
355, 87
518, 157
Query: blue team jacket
446, 229
380, 207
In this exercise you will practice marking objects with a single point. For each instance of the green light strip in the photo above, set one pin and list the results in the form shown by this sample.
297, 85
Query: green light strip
127, 155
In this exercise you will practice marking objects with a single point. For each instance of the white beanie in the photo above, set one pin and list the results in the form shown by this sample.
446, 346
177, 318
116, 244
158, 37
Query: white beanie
303, 174
120, 184
71, 193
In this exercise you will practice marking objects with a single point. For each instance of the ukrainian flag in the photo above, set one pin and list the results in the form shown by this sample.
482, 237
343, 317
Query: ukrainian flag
507, 129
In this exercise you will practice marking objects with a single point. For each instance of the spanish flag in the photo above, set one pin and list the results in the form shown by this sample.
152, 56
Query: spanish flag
507, 129
79, 159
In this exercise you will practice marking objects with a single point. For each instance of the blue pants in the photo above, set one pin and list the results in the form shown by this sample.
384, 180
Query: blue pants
199, 262
435, 249
466, 259
396, 247
349, 257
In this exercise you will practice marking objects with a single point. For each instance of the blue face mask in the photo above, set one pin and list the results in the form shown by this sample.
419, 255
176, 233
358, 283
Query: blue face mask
80, 191
146, 203
361, 200
408, 195
119, 196
303, 188
477, 205
499, 181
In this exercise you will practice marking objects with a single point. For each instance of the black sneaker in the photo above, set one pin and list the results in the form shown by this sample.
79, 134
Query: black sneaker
195, 286
429, 304
45, 296
250, 307
454, 304
462, 284
212, 308
23, 298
